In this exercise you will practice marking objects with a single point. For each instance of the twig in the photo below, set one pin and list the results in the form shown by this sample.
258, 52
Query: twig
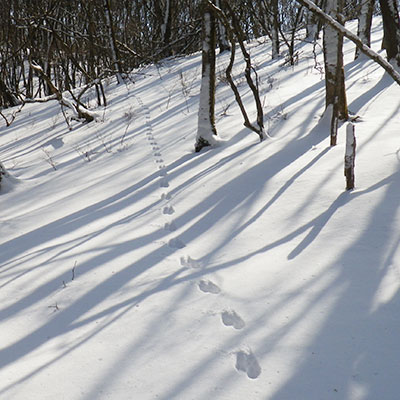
73, 271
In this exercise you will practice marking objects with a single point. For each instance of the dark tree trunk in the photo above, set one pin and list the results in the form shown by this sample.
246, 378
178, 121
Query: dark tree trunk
112, 41
274, 23
391, 30
7, 97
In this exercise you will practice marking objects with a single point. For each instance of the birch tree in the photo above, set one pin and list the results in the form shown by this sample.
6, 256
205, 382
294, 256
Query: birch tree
350, 156
166, 25
364, 23
313, 24
206, 130
113, 43
335, 92
373, 55
223, 41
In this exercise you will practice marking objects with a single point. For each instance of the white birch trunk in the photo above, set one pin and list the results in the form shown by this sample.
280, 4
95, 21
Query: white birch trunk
334, 72
364, 23
165, 23
112, 41
205, 127
311, 27
206, 131
350, 156
330, 44
222, 36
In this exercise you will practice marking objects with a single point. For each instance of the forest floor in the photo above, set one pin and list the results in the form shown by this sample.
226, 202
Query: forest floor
133, 268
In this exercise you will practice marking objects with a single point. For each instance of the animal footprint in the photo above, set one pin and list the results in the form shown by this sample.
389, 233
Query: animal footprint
189, 262
166, 196
169, 210
169, 226
231, 318
207, 286
176, 243
247, 362
164, 183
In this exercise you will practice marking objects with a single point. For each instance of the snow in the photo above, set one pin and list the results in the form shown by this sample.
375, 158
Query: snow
133, 268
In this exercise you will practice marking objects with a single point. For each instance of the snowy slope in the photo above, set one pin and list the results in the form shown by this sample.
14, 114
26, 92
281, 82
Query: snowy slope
133, 268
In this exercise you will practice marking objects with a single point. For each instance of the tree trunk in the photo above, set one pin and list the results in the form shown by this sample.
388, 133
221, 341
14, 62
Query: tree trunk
391, 30
274, 23
111, 36
354, 38
7, 97
350, 156
313, 25
223, 41
206, 130
364, 23
335, 92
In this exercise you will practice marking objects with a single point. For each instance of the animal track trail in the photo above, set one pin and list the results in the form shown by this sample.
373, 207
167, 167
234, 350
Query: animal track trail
153, 143
167, 209
245, 359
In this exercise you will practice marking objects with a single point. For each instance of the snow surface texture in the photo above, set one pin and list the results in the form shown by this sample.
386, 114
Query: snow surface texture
132, 268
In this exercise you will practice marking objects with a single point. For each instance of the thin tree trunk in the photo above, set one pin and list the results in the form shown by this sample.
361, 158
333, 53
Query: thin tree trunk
350, 156
113, 45
223, 41
7, 97
206, 130
333, 58
365, 23
335, 92
274, 23
391, 30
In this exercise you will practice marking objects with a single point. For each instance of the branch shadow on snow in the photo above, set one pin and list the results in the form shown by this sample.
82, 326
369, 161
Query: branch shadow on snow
358, 276
69, 319
355, 362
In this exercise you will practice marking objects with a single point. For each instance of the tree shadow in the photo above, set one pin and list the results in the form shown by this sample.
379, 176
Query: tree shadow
355, 350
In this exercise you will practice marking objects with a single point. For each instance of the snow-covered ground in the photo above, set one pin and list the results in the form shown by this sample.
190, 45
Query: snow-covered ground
133, 268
